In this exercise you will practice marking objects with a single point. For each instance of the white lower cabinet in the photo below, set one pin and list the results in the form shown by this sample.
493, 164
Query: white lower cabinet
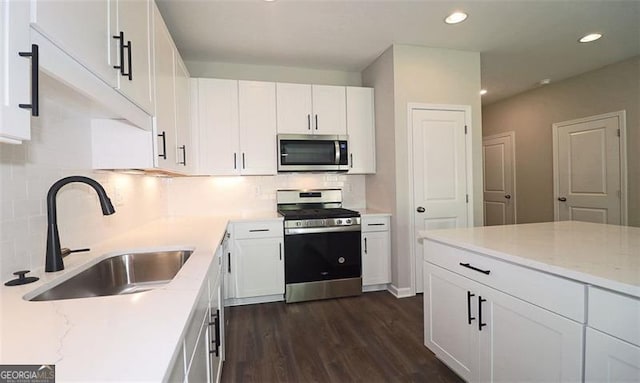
610, 359
488, 336
376, 250
199, 355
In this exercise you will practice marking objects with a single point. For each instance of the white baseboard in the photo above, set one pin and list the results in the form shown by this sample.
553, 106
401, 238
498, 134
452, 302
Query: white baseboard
253, 300
380, 287
398, 292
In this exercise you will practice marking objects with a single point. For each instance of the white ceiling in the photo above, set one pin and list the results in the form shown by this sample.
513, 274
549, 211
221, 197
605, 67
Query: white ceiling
521, 42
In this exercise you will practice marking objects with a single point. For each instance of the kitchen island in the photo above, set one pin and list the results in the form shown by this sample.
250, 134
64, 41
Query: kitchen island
557, 301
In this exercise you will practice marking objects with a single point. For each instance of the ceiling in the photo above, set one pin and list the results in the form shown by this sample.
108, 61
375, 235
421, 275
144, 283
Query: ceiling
521, 42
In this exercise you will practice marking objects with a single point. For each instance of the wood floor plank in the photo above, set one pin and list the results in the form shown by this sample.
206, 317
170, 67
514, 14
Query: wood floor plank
371, 338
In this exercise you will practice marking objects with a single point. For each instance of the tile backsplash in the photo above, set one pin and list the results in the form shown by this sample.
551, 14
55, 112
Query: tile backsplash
197, 196
60, 147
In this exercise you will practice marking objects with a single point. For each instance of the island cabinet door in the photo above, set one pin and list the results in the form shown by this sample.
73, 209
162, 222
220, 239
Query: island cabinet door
519, 341
450, 320
610, 359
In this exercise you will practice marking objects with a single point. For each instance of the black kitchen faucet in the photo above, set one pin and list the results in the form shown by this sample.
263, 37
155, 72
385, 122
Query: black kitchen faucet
53, 258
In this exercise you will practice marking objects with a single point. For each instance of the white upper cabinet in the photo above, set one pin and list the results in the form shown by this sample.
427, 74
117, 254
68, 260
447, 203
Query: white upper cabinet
218, 128
311, 109
236, 127
361, 130
185, 153
329, 109
135, 80
165, 121
111, 38
15, 122
83, 29
257, 107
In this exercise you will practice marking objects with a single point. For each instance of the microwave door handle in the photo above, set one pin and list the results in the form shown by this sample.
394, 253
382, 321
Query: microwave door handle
337, 148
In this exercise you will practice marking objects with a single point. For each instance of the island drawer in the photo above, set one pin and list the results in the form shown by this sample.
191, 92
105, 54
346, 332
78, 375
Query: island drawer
374, 223
614, 314
554, 293
258, 229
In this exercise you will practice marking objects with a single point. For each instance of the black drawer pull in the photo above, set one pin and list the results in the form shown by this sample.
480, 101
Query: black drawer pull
257, 230
480, 324
229, 262
375, 224
468, 266
469, 317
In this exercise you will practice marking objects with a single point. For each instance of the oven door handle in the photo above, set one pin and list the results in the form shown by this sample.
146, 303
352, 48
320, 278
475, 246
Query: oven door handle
315, 230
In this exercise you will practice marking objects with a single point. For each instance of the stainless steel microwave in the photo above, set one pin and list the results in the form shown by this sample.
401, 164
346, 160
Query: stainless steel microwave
312, 153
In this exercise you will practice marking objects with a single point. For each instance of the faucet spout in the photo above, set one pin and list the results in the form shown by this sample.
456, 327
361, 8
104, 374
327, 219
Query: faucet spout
53, 258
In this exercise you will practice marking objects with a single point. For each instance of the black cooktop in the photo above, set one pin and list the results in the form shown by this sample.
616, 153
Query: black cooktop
318, 213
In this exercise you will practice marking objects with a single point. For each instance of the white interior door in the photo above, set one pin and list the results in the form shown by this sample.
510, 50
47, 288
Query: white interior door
439, 174
499, 181
588, 170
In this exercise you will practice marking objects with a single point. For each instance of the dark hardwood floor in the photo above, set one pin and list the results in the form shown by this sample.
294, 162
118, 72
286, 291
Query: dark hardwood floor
374, 338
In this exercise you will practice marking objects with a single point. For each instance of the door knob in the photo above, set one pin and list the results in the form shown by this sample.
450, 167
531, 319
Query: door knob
562, 199
508, 196
420, 209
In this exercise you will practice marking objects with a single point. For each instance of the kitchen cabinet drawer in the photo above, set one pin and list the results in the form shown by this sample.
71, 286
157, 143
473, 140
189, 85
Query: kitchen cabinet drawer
258, 229
614, 314
557, 294
375, 223
195, 323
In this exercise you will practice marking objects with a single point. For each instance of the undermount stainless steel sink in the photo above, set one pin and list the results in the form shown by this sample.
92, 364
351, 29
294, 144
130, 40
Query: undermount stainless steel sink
120, 274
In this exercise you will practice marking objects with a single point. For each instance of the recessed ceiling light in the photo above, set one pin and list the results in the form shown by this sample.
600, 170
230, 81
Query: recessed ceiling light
590, 37
456, 17
483, 92
546, 81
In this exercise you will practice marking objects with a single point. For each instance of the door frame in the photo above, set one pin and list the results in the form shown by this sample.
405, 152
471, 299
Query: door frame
411, 106
622, 125
512, 135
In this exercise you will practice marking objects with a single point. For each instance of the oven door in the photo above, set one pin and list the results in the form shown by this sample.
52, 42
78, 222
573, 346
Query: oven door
300, 153
321, 256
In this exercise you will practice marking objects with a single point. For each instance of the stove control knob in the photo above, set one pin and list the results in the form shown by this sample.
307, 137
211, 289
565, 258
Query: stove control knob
338, 221
348, 221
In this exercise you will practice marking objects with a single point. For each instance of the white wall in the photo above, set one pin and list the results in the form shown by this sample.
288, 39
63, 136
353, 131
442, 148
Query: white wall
418, 75
60, 147
197, 196
272, 73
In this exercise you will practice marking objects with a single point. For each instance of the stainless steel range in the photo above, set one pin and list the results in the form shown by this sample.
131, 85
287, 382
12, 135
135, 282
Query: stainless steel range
322, 256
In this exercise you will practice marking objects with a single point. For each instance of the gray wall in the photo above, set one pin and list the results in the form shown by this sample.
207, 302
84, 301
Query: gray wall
531, 115
411, 74
272, 73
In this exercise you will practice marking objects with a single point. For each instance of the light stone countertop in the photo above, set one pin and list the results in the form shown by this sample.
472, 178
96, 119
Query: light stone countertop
113, 338
601, 255
371, 212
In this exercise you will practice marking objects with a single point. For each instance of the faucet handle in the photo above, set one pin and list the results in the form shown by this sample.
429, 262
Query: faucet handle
66, 251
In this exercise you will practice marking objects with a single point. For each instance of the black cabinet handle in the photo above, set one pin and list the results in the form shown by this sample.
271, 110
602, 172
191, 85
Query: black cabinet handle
184, 155
469, 317
217, 332
35, 79
309, 121
121, 47
316, 122
163, 135
468, 266
480, 324
234, 161
365, 245
351, 159
257, 230
243, 165
128, 74
280, 248
228, 262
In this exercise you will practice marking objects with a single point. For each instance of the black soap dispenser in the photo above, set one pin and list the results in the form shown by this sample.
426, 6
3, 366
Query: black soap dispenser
21, 280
